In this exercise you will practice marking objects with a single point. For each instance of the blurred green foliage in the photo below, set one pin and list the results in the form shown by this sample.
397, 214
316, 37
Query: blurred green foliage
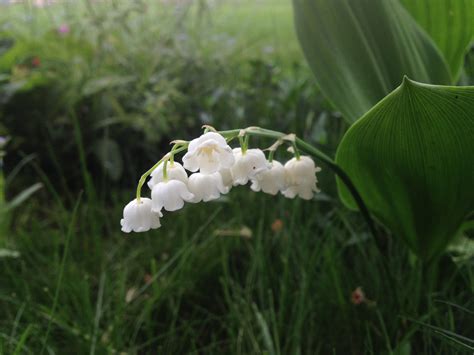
121, 80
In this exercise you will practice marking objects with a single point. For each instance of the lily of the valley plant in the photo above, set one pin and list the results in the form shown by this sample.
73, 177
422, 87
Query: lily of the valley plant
216, 168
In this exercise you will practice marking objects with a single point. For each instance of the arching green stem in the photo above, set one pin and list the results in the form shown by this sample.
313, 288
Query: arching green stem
165, 170
331, 164
244, 142
270, 155
145, 175
309, 149
344, 178
296, 150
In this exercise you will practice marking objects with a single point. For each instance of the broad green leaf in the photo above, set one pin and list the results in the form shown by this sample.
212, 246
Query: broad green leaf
450, 23
412, 159
360, 50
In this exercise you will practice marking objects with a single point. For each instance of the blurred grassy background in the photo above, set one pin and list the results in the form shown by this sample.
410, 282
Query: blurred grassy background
90, 108
134, 75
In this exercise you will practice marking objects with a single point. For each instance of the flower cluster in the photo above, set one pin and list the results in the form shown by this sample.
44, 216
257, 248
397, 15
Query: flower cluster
215, 167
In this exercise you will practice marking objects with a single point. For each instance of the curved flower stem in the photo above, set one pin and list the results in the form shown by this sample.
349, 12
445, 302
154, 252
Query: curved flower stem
309, 149
165, 170
244, 141
270, 155
175, 146
344, 178
296, 151
145, 175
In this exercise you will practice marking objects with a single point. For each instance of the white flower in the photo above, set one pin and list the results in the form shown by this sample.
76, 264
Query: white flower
138, 216
270, 181
206, 187
174, 170
226, 178
170, 195
247, 165
208, 154
301, 178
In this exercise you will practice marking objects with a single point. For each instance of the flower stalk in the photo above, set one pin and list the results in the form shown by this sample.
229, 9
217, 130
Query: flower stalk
300, 144
149, 171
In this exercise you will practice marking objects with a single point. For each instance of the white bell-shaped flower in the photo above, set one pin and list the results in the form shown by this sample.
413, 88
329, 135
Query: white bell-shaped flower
170, 195
301, 178
209, 153
247, 165
270, 181
138, 216
174, 170
206, 187
227, 178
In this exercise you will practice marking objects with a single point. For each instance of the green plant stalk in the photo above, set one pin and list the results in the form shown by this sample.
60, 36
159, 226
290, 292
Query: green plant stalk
146, 174
300, 144
165, 170
309, 149
270, 155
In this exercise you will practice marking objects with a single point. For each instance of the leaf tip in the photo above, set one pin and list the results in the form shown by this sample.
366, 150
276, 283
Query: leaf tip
406, 81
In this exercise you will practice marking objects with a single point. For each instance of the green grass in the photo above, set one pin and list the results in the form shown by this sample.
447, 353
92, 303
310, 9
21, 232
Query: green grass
232, 28
197, 286
260, 28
